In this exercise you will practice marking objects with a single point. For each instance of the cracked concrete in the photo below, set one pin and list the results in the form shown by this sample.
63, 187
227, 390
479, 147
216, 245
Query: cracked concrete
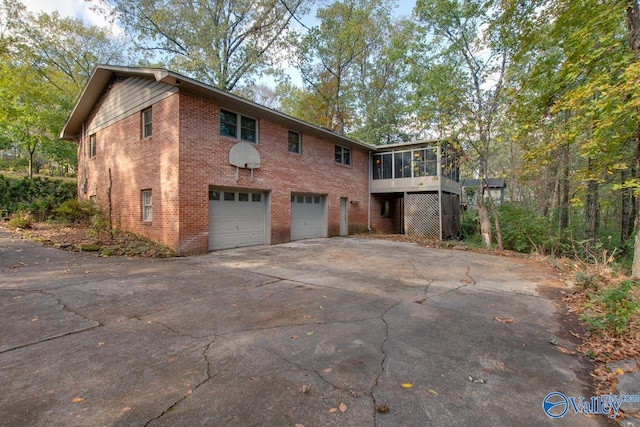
278, 336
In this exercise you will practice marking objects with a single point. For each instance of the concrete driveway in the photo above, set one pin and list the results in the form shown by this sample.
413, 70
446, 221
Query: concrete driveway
314, 333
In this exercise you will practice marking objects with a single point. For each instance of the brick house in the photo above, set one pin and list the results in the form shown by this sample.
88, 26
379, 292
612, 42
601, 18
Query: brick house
199, 169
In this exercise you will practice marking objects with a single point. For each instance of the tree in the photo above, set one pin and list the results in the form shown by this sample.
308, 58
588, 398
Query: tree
458, 72
220, 42
46, 60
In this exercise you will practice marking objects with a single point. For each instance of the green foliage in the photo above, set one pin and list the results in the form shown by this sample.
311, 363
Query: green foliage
21, 219
73, 210
37, 195
613, 309
524, 231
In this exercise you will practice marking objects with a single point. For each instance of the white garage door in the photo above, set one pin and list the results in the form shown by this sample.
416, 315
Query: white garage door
236, 219
307, 217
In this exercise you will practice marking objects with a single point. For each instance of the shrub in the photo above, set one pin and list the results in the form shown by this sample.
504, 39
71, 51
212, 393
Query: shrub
613, 309
21, 219
73, 210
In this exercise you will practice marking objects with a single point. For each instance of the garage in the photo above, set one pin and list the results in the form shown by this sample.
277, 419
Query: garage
236, 219
307, 217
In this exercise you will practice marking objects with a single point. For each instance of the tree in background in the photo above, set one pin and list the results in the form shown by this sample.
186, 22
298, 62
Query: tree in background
458, 75
46, 60
219, 42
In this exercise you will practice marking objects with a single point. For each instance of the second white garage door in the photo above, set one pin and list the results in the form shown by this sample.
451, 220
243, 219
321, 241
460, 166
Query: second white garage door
236, 219
307, 217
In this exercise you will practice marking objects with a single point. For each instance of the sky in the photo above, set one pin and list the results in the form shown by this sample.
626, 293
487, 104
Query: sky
82, 9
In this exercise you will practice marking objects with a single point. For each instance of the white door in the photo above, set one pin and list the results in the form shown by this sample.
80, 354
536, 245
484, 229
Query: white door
307, 217
236, 219
344, 225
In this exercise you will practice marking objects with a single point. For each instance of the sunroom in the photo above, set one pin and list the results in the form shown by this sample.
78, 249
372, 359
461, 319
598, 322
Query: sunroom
416, 185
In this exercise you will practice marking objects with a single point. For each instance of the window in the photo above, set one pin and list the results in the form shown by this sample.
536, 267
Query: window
402, 164
382, 166
229, 197
343, 155
214, 195
243, 197
147, 206
92, 145
425, 162
231, 122
146, 123
385, 209
256, 197
294, 142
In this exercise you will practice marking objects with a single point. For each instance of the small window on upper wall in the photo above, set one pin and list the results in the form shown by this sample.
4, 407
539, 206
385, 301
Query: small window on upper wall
343, 155
92, 145
147, 206
147, 118
294, 142
237, 126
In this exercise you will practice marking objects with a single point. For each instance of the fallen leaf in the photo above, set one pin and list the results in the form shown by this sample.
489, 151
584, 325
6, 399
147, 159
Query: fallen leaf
234, 305
333, 410
432, 391
171, 359
505, 319
309, 333
553, 341
294, 337
406, 385
476, 380
327, 370
77, 399
564, 350
126, 409
34, 319
304, 389
189, 392
100, 344
321, 308
342, 407
383, 409
306, 316
299, 425
619, 371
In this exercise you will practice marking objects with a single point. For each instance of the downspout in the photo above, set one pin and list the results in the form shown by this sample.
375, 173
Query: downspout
370, 172
83, 187
440, 178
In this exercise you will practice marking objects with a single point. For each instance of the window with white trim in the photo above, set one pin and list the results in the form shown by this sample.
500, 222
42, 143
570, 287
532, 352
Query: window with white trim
147, 121
92, 145
343, 155
294, 142
237, 126
147, 206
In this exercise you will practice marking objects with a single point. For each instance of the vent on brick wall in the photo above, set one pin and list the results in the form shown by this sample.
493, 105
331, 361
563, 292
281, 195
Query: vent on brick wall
244, 155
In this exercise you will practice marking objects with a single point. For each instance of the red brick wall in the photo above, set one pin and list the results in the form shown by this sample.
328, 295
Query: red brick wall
186, 156
204, 163
137, 164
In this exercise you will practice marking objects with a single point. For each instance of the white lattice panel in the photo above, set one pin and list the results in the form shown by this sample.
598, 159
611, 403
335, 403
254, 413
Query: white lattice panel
421, 215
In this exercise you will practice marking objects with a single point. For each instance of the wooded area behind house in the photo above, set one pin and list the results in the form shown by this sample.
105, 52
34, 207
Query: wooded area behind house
541, 93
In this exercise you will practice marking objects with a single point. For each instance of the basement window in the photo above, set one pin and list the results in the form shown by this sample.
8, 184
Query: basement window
147, 206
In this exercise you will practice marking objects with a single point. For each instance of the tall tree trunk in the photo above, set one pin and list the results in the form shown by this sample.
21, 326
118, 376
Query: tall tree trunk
564, 205
625, 209
591, 209
485, 222
496, 217
633, 23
